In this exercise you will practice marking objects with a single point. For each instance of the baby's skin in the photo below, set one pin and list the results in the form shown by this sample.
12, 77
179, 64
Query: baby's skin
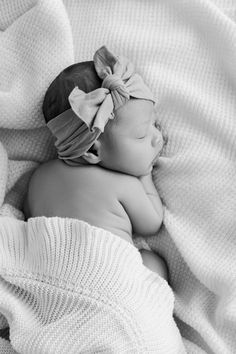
112, 188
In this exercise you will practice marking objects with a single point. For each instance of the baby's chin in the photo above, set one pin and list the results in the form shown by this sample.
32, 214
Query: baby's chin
150, 169
142, 172
136, 171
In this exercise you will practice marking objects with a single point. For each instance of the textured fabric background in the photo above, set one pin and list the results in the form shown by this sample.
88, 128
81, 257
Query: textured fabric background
186, 52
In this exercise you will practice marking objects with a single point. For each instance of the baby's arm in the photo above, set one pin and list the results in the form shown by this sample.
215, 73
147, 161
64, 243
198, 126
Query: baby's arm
144, 210
152, 194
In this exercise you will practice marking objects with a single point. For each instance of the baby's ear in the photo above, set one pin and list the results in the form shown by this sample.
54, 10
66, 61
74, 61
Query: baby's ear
93, 155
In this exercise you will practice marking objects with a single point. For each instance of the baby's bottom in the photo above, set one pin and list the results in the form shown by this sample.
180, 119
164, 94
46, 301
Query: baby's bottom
154, 262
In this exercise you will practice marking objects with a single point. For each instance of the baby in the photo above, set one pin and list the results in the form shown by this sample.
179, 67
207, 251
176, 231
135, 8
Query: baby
102, 116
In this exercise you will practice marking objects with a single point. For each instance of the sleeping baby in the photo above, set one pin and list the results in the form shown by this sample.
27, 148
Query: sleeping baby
102, 116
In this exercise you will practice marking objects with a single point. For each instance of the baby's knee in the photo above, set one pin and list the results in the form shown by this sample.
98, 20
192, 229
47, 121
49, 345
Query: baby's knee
155, 263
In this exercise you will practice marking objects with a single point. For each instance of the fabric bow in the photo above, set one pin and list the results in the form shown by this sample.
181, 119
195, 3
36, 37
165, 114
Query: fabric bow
77, 128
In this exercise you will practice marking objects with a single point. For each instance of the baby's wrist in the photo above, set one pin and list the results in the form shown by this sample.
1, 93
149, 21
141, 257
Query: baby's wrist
146, 180
148, 184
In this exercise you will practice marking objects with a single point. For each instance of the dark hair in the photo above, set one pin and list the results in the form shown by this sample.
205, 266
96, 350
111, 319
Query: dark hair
82, 75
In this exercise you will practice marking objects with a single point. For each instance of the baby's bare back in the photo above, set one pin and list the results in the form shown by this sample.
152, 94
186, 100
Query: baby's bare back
95, 195
89, 193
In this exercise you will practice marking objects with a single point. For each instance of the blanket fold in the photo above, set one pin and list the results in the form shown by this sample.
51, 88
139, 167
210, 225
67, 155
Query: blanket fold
88, 286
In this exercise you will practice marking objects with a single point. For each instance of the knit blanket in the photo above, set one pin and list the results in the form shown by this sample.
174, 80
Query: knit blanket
69, 287
186, 52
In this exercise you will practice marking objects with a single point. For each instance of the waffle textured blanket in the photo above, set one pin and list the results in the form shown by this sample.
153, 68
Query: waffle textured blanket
186, 52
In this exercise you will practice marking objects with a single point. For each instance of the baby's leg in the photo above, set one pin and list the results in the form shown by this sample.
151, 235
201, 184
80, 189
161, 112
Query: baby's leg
154, 262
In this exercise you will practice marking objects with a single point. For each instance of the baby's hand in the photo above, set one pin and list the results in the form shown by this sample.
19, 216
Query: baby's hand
152, 194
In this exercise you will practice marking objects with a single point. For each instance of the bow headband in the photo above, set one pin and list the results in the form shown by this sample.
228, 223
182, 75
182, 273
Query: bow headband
77, 128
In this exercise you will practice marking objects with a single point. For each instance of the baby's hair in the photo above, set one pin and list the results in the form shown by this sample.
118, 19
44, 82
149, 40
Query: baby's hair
82, 75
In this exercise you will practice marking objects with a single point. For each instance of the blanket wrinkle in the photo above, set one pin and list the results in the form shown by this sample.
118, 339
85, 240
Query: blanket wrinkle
4, 172
29, 63
11, 10
185, 51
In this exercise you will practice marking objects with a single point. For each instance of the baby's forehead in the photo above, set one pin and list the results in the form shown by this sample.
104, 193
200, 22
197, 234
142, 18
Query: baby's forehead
133, 117
134, 112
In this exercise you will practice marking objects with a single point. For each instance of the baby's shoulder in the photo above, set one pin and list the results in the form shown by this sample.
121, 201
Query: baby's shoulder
93, 177
123, 185
108, 179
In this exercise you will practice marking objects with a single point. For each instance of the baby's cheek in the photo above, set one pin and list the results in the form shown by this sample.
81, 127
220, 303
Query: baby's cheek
145, 154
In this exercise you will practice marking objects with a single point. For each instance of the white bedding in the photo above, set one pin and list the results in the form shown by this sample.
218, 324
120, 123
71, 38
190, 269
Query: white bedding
186, 52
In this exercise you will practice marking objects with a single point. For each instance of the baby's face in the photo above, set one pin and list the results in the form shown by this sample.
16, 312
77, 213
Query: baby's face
131, 142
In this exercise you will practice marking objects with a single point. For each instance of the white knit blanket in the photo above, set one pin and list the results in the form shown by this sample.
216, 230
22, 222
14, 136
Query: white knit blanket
186, 52
69, 287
